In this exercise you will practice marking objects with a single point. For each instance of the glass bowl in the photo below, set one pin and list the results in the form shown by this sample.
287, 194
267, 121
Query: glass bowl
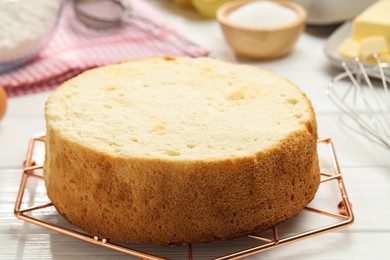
26, 27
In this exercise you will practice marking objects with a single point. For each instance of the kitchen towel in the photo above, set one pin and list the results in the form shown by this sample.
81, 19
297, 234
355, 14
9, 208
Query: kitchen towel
76, 47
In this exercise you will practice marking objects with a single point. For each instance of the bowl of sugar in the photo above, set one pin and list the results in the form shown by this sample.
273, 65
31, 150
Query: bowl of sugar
261, 29
25, 29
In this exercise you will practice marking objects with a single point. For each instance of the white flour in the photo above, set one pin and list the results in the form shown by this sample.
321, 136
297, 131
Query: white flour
24, 27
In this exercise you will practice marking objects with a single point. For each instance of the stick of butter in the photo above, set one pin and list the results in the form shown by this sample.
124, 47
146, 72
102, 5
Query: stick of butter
373, 44
385, 58
375, 20
349, 49
370, 34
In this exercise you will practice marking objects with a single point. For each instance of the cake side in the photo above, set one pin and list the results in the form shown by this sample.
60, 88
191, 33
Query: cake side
153, 201
222, 151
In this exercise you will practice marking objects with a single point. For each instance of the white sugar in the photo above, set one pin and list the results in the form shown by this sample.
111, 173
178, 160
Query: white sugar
263, 14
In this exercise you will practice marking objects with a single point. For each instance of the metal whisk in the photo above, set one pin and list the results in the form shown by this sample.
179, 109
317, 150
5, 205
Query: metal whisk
361, 92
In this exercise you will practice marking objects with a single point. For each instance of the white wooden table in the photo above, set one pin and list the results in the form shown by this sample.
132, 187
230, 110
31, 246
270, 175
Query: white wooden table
365, 166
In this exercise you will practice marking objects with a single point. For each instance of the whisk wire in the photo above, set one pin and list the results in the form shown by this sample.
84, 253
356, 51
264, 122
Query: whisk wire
362, 102
381, 124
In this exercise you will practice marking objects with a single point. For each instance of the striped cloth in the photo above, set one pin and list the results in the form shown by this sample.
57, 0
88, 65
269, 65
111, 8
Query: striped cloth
76, 47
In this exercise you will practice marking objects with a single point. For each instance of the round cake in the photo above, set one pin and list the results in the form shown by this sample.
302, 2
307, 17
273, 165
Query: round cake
179, 150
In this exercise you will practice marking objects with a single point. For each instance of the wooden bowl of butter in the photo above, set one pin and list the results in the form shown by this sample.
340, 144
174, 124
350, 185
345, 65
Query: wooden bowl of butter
260, 29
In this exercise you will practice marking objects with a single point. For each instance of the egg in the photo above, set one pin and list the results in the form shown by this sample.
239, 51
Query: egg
3, 102
183, 2
208, 8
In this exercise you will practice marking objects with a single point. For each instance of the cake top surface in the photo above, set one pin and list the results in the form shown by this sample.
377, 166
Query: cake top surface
178, 108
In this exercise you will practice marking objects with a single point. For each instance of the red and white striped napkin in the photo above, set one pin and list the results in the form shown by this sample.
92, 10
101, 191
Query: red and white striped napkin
76, 47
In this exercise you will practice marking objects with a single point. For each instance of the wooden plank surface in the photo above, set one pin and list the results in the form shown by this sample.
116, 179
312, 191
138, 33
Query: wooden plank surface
365, 166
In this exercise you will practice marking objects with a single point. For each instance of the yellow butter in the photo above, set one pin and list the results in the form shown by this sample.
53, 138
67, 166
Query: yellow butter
349, 49
385, 57
373, 44
375, 20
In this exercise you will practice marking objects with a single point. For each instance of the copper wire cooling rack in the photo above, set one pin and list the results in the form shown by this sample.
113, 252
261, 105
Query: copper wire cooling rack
273, 239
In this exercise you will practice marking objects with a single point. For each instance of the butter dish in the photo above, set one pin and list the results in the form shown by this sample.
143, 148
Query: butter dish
333, 44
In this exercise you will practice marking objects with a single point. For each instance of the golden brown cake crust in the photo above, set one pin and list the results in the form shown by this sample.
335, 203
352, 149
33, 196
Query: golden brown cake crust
161, 201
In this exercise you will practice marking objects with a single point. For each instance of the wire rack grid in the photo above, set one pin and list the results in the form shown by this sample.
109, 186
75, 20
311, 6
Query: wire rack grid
344, 217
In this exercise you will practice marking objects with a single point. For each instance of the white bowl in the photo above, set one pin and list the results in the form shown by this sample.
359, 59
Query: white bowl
325, 12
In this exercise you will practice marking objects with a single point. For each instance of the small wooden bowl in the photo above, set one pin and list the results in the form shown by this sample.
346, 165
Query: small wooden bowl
256, 42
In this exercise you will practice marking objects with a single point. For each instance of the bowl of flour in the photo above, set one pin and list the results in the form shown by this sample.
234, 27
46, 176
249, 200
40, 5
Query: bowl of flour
26, 27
